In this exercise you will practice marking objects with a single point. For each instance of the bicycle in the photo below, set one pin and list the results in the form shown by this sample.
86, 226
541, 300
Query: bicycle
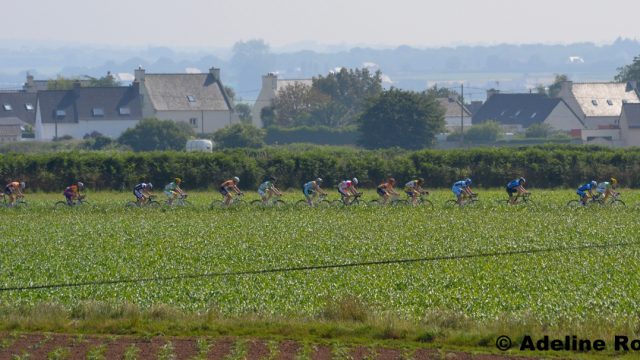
343, 200
236, 201
466, 201
80, 201
612, 201
275, 201
20, 202
524, 199
151, 202
180, 201
320, 201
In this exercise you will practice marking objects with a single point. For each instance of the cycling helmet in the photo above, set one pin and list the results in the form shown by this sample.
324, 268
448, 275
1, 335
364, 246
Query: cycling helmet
421, 180
80, 185
236, 179
392, 180
522, 180
319, 180
272, 178
22, 185
614, 181
355, 180
150, 185
467, 181
594, 183
177, 180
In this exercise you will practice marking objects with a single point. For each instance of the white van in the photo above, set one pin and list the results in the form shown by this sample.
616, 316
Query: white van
202, 145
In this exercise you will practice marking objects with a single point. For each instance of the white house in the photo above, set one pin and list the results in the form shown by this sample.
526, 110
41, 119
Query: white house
455, 114
270, 88
83, 110
197, 99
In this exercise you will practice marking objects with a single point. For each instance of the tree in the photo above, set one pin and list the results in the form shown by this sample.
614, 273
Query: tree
488, 131
244, 113
294, 104
230, 93
60, 83
104, 81
554, 88
401, 118
153, 134
441, 92
538, 131
239, 135
629, 72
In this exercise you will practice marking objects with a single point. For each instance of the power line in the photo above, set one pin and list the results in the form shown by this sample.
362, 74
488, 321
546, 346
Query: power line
318, 267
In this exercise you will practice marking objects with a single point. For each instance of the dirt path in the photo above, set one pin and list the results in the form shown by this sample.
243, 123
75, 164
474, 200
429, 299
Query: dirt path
62, 346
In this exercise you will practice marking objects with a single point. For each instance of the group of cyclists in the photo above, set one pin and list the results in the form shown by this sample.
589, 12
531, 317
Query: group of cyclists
312, 189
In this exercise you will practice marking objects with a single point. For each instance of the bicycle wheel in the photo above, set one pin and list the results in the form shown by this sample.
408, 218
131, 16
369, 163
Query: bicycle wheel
256, 203
617, 203
426, 203
450, 203
337, 203
302, 203
131, 204
325, 203
61, 204
574, 204
279, 203
152, 204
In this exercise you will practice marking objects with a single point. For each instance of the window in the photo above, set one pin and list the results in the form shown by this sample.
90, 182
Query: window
517, 113
610, 102
124, 111
533, 115
60, 113
97, 112
193, 122
29, 106
594, 102
503, 112
7, 107
191, 98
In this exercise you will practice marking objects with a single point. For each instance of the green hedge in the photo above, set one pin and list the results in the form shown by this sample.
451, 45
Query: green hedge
315, 135
543, 166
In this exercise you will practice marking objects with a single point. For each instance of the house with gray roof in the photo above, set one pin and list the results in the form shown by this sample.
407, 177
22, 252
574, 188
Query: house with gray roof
630, 124
196, 99
18, 104
271, 86
516, 112
456, 114
83, 110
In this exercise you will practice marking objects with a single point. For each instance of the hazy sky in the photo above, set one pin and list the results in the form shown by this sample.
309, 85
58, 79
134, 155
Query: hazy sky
214, 23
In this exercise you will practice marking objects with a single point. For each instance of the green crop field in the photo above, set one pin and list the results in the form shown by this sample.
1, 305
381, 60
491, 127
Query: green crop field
41, 245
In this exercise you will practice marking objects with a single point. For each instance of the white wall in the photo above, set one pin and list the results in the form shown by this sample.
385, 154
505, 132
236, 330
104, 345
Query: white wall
213, 120
111, 128
561, 118
452, 123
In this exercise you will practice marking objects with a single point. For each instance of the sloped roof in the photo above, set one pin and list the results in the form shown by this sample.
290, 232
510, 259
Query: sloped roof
523, 109
603, 99
79, 103
452, 107
632, 114
169, 92
281, 84
11, 121
18, 102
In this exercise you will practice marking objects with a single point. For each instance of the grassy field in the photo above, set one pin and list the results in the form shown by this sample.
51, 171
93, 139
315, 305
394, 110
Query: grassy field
460, 282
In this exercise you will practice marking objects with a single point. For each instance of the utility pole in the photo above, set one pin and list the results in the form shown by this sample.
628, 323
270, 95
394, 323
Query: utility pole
462, 114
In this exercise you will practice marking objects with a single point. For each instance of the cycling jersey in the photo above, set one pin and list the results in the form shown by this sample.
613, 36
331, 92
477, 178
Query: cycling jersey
309, 188
343, 186
383, 188
585, 187
411, 184
262, 189
138, 189
225, 187
171, 186
11, 187
458, 187
514, 184
603, 187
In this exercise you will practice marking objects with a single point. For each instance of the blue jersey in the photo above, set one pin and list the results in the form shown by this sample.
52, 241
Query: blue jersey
585, 187
513, 184
460, 184
308, 186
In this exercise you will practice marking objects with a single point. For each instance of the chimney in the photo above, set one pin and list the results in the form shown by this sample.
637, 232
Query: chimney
270, 81
215, 72
30, 85
110, 77
139, 74
492, 92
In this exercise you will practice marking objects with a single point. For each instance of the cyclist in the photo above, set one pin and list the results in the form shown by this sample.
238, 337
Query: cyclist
268, 189
311, 188
172, 190
228, 186
516, 187
14, 191
607, 188
386, 190
414, 189
585, 191
462, 190
142, 192
347, 189
72, 192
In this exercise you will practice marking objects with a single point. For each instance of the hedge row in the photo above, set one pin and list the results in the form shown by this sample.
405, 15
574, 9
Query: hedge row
543, 166
314, 135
